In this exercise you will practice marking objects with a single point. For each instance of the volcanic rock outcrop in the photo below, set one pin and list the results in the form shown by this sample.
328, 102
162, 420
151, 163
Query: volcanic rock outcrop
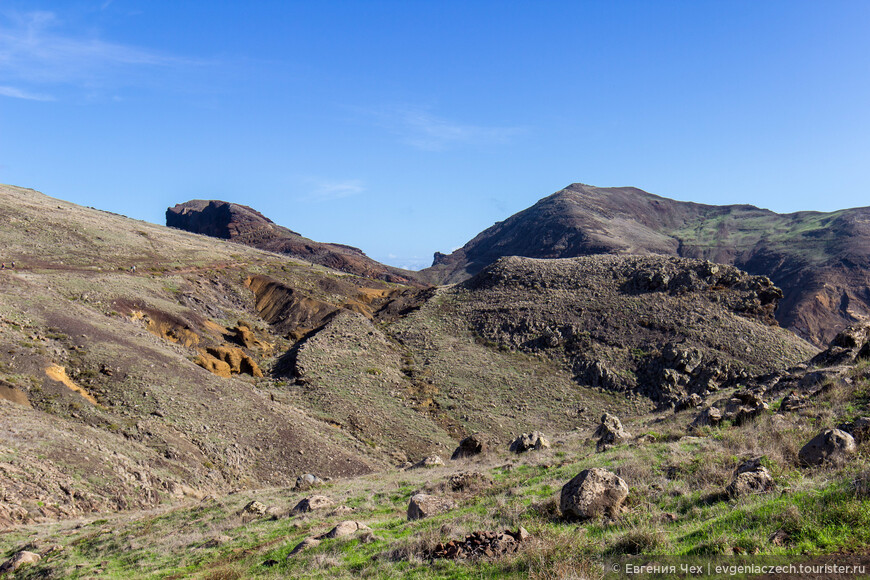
658, 326
820, 260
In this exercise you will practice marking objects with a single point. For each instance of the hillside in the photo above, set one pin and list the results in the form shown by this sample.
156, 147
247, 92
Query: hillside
163, 393
820, 260
244, 225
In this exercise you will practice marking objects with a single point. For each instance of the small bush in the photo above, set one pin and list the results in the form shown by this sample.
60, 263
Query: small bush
640, 541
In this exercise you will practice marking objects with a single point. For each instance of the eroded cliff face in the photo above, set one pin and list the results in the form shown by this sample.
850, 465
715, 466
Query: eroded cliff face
247, 226
820, 260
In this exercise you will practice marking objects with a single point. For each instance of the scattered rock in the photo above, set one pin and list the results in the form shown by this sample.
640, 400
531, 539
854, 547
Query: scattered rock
610, 431
465, 481
692, 401
307, 481
750, 477
256, 508
592, 493
480, 545
304, 545
743, 406
423, 506
18, 560
831, 446
711, 416
529, 441
428, 462
345, 528
312, 503
474, 444
792, 402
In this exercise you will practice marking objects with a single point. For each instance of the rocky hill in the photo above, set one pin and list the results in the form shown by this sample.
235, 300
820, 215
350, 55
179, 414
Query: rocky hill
820, 260
177, 405
661, 327
239, 223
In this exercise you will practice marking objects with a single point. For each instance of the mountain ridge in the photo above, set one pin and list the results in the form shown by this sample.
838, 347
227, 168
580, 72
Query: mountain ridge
821, 260
245, 225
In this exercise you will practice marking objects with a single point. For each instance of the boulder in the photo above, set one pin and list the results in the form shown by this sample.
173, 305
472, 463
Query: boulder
593, 493
423, 506
529, 441
711, 416
242, 335
750, 477
303, 545
307, 481
474, 444
256, 508
428, 462
610, 431
345, 528
743, 406
18, 560
689, 402
792, 402
831, 446
315, 502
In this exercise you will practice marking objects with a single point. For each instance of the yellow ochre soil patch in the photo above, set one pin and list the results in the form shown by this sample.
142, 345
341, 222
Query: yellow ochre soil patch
167, 330
58, 373
224, 360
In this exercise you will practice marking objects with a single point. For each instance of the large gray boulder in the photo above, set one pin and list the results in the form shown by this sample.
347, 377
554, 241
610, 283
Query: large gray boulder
529, 441
610, 431
343, 529
593, 493
423, 505
831, 446
315, 502
750, 477
307, 481
428, 462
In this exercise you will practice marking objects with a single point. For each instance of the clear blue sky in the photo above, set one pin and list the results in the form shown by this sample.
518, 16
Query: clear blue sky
407, 127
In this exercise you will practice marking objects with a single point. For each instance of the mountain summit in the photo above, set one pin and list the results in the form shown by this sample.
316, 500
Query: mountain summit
820, 260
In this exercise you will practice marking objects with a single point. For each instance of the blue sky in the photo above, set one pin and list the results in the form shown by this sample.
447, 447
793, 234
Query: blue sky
407, 127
